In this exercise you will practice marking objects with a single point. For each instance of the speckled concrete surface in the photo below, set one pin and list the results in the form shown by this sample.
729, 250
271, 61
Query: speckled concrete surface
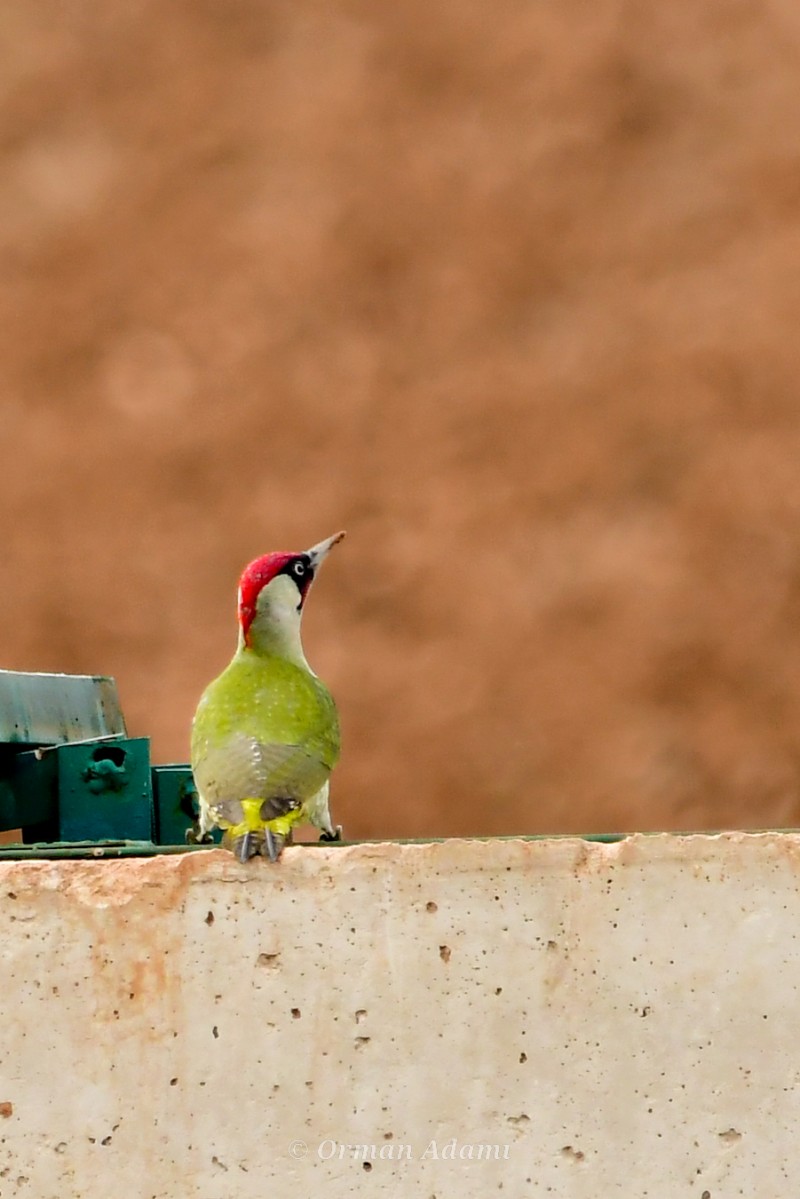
453, 1019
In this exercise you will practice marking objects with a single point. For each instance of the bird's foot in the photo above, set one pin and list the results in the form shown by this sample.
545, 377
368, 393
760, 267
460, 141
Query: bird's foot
272, 845
244, 846
336, 835
195, 837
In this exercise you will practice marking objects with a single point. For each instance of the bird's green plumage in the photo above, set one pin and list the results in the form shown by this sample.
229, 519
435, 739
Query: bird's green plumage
264, 741
265, 735
272, 701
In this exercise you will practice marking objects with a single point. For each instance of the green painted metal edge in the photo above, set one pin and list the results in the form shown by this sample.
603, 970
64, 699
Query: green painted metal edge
16, 851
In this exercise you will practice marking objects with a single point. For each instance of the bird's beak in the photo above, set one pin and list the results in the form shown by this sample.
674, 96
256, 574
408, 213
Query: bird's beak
318, 553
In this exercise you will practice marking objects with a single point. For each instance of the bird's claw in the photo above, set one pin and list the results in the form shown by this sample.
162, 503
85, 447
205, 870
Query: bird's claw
336, 835
272, 845
193, 836
242, 849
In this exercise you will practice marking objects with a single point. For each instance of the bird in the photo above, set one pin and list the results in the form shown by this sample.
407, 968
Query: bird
265, 735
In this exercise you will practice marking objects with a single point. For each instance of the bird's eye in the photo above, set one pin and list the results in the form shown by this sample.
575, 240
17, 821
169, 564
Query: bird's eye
299, 568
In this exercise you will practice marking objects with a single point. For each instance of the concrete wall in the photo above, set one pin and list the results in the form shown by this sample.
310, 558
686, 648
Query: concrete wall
546, 1018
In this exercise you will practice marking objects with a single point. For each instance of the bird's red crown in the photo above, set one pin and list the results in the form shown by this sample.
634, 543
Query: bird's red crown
255, 576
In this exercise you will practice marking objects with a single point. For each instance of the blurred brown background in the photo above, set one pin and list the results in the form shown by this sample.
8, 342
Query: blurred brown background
508, 289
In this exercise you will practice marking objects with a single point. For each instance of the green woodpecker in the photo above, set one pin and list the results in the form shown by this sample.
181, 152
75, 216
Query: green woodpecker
265, 735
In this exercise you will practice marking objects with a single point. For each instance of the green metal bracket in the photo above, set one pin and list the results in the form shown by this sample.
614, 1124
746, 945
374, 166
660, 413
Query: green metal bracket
70, 776
98, 789
104, 791
175, 804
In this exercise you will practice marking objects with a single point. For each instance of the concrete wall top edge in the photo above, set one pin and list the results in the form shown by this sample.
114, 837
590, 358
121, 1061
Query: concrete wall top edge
111, 882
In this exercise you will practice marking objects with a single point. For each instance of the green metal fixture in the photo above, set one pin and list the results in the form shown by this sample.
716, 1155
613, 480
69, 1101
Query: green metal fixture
70, 775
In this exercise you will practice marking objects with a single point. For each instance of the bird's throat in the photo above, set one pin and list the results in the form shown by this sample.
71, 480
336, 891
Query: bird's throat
272, 637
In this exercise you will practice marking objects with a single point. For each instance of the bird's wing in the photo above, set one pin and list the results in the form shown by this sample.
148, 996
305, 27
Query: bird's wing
245, 768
